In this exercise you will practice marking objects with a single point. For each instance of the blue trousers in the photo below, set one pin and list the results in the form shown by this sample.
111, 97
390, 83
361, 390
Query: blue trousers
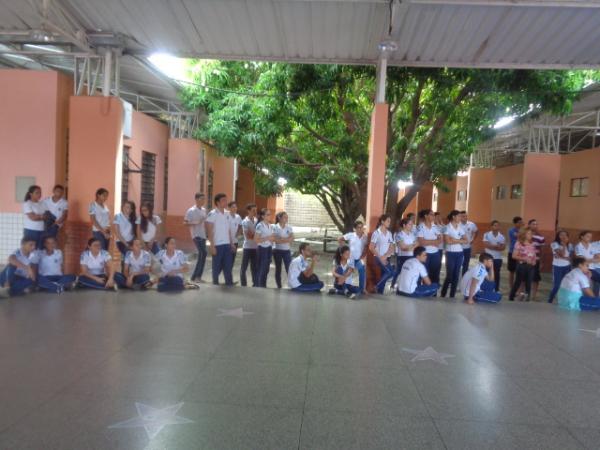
55, 283
281, 256
34, 235
103, 241
558, 273
52, 231
497, 269
362, 274
310, 287
223, 262
249, 257
264, 261
596, 281
16, 283
387, 273
487, 293
422, 290
86, 282
200, 244
433, 266
170, 284
466, 259
454, 261
342, 289
400, 260
121, 280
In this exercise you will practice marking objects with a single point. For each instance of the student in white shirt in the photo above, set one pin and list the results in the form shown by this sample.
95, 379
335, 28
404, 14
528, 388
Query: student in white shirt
100, 217
575, 292
301, 277
284, 236
173, 264
235, 222
125, 227
591, 252
454, 238
19, 275
56, 211
342, 271
357, 241
414, 280
97, 271
430, 237
477, 283
50, 269
222, 246
406, 241
495, 244
263, 236
249, 248
382, 246
33, 210
562, 252
441, 226
136, 268
471, 232
194, 219
147, 231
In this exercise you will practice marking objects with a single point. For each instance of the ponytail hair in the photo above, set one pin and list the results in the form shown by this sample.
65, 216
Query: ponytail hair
31, 190
404, 222
167, 240
279, 215
382, 219
100, 192
261, 215
339, 252
453, 214
424, 213
583, 233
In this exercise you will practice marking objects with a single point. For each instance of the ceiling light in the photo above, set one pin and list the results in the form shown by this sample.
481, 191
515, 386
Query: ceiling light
40, 35
388, 46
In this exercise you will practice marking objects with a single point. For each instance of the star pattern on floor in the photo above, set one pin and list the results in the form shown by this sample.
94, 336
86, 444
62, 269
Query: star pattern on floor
596, 332
235, 312
153, 420
429, 354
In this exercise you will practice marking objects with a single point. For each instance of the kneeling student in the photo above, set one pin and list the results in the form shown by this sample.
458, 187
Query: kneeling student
137, 264
575, 292
19, 275
413, 271
343, 268
478, 283
50, 269
173, 264
301, 277
97, 270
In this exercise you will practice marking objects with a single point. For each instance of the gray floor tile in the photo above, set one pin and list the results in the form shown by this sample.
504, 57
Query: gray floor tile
589, 437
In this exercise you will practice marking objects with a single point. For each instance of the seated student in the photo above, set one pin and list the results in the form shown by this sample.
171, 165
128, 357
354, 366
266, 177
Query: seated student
56, 210
575, 292
343, 268
478, 283
19, 275
125, 225
137, 265
413, 271
301, 277
50, 269
97, 270
173, 264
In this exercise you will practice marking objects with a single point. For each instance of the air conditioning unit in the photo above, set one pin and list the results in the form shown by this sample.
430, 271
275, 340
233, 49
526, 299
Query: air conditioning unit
127, 118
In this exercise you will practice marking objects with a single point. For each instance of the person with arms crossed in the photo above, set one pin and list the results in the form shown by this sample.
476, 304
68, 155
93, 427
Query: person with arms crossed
236, 227
56, 211
249, 256
148, 227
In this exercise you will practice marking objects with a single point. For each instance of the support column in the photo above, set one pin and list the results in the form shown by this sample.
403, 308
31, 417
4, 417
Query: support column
479, 202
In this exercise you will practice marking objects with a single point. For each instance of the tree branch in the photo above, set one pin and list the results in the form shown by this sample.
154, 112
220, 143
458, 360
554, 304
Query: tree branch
320, 137
334, 217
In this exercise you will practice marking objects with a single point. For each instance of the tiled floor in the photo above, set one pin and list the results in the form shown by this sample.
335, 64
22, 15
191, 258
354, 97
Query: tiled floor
309, 372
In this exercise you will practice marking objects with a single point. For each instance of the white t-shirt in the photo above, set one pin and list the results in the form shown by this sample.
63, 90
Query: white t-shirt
475, 274
356, 243
170, 263
457, 232
470, 229
412, 271
50, 265
35, 208
297, 266
442, 229
263, 230
139, 264
405, 239
560, 262
234, 222
382, 241
249, 225
125, 227
221, 227
57, 209
492, 239
150, 233
349, 264
429, 234
588, 252
28, 260
282, 233
575, 281
102, 215
196, 216
95, 264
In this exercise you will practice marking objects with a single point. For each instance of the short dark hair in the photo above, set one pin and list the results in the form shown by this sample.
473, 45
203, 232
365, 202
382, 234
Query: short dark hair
531, 221
47, 238
58, 186
485, 257
517, 219
218, 197
357, 223
418, 250
231, 203
462, 212
27, 239
198, 195
249, 206
101, 191
303, 246
577, 261
494, 222
91, 241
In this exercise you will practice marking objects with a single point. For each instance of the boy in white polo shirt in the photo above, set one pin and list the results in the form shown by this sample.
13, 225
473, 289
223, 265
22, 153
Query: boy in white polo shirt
413, 271
218, 229
301, 277
194, 219
477, 283
495, 243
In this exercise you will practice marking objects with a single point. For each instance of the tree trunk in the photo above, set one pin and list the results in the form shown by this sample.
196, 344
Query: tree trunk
391, 199
401, 206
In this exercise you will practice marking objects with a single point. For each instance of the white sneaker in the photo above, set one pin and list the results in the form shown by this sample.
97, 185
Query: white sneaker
351, 296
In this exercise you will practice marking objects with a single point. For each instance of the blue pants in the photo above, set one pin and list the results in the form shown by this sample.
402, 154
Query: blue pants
400, 260
281, 256
343, 289
86, 282
201, 247
103, 241
310, 287
362, 274
558, 273
589, 303
497, 268
223, 262
121, 280
16, 283
34, 235
170, 284
433, 266
55, 283
52, 231
249, 257
454, 261
487, 293
387, 273
264, 261
466, 259
422, 291
596, 281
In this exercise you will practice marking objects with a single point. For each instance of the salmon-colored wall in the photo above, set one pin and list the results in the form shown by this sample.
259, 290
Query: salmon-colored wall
504, 210
246, 189
541, 177
184, 175
377, 156
479, 195
64, 92
446, 198
224, 171
424, 197
462, 184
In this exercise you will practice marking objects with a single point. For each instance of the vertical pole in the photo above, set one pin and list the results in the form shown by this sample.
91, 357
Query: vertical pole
107, 72
117, 74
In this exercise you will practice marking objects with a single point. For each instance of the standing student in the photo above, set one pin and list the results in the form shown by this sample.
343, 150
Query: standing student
19, 275
430, 237
195, 218
218, 230
441, 226
97, 271
455, 238
50, 276
412, 218
302, 277
343, 268
513, 234
125, 227
562, 251
414, 280
284, 236
575, 292
56, 210
357, 241
589, 250
136, 271
471, 232
100, 217
173, 265
263, 236
148, 227
538, 241
495, 243
405, 241
382, 247
235, 223
478, 284
525, 255
33, 211
249, 248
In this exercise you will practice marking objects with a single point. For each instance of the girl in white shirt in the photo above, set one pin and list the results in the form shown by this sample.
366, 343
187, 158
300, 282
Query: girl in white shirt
263, 236
100, 217
136, 271
56, 210
454, 238
430, 237
97, 270
591, 252
562, 252
148, 227
173, 264
495, 243
284, 236
382, 247
34, 210
343, 268
50, 268
125, 225
405, 240
575, 292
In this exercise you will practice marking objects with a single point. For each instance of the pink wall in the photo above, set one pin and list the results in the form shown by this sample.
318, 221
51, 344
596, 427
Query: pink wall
541, 177
446, 199
184, 176
479, 196
462, 184
223, 172
504, 210
377, 157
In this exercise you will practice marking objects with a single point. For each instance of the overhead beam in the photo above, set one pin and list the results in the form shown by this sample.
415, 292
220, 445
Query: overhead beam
508, 3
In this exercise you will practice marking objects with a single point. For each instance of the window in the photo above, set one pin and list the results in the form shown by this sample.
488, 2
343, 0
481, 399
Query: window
435, 196
515, 191
210, 187
125, 176
148, 175
166, 184
500, 192
579, 187
461, 196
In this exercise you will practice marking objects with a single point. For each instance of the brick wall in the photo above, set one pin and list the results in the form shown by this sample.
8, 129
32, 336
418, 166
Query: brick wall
306, 211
